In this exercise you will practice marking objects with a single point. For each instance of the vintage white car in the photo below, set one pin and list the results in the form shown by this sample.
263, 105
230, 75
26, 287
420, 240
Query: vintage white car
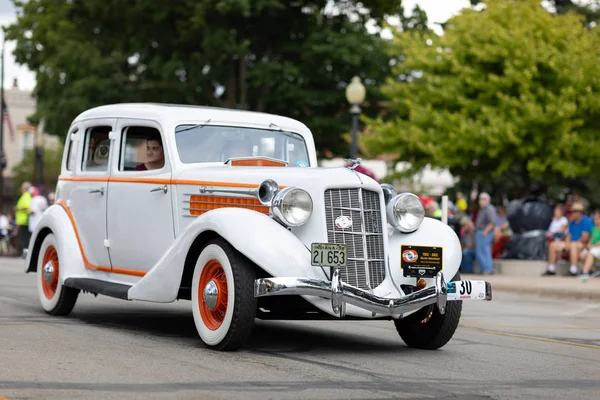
229, 209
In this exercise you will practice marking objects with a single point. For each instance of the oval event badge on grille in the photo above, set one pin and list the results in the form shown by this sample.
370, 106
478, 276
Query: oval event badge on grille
343, 222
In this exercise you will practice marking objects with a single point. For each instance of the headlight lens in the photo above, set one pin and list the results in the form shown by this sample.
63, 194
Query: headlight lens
292, 206
405, 212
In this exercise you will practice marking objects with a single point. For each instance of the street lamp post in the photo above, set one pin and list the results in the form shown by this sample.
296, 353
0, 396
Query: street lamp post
39, 156
355, 94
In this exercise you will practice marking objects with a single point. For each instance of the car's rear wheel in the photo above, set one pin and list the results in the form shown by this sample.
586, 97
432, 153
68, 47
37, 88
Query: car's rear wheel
223, 301
55, 298
428, 328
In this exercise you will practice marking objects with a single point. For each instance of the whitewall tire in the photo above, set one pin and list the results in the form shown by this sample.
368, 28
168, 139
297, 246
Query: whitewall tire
55, 298
223, 301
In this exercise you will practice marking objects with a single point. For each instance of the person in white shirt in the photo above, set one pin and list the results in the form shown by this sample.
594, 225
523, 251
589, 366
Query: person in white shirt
39, 204
558, 227
4, 238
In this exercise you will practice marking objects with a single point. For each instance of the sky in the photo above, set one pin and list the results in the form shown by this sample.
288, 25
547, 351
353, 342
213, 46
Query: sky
437, 11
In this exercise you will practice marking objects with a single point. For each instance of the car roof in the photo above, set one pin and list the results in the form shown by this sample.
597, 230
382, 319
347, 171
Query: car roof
172, 113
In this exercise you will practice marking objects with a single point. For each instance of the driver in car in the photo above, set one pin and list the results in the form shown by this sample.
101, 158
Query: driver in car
155, 156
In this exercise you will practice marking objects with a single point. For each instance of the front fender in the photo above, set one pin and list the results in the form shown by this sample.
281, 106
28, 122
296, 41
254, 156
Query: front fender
257, 236
431, 233
56, 220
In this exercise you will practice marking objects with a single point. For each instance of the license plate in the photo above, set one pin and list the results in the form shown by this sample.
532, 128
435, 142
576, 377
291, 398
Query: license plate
420, 261
469, 290
328, 255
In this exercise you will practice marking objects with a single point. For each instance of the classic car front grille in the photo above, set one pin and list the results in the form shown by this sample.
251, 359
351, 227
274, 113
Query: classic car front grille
366, 260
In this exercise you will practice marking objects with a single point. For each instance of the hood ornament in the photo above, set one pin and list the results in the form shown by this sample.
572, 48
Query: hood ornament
355, 162
351, 164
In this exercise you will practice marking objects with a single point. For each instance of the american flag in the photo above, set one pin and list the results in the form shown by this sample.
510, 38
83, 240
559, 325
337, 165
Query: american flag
7, 120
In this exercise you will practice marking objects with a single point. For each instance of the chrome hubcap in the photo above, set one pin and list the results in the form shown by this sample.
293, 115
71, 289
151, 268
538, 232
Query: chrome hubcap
210, 294
48, 272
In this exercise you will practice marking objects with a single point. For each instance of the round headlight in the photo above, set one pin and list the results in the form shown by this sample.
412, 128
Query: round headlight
405, 212
292, 206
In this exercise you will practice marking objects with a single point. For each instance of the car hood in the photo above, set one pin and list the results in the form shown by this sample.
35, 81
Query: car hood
310, 179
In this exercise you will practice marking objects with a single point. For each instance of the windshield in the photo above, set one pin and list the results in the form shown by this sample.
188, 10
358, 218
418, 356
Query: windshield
210, 143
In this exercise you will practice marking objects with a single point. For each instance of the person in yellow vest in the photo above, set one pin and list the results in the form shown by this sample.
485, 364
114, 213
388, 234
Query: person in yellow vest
461, 203
22, 217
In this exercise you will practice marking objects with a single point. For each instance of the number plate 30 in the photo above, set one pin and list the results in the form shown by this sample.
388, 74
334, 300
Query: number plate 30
328, 255
469, 290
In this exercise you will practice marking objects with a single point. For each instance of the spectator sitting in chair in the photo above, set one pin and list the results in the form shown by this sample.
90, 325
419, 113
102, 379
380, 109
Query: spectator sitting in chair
575, 241
558, 227
502, 233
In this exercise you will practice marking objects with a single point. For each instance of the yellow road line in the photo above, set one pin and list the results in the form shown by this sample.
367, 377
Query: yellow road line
538, 339
597, 328
4, 398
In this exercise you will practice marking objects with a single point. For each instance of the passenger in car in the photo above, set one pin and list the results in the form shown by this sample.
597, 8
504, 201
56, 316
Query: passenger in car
155, 156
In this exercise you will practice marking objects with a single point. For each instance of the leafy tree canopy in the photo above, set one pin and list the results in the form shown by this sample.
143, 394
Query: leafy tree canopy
590, 9
512, 91
287, 57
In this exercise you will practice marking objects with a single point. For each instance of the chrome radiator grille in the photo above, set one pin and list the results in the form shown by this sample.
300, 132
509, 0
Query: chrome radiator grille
366, 261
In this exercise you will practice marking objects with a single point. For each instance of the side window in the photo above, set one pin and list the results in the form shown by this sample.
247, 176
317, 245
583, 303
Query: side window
71, 152
141, 149
96, 149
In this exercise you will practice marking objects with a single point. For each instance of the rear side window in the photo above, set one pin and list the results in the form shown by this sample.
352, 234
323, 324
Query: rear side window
96, 149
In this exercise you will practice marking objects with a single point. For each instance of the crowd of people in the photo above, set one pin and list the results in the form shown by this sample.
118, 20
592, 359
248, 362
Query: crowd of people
572, 235
16, 227
575, 238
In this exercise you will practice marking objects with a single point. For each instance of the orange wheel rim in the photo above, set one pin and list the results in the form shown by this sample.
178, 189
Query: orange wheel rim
50, 272
213, 315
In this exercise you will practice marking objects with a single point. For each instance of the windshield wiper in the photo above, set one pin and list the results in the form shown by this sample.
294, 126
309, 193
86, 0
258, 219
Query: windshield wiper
200, 125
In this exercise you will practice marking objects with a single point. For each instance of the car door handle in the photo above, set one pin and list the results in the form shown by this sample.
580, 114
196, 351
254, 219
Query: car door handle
158, 189
101, 191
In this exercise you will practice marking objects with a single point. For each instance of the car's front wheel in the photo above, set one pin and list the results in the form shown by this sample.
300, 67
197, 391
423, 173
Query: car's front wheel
55, 298
428, 328
223, 301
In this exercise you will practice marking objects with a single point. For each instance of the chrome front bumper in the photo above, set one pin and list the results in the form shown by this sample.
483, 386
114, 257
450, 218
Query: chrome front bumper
341, 293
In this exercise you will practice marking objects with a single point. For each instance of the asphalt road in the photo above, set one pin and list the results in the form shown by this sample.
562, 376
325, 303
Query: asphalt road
512, 347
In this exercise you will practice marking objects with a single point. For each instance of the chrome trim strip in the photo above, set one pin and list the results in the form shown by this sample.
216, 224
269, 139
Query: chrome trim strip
363, 229
341, 293
210, 190
355, 233
353, 209
204, 190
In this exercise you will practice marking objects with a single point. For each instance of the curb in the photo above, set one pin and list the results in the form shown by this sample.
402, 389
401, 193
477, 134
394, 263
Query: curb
570, 293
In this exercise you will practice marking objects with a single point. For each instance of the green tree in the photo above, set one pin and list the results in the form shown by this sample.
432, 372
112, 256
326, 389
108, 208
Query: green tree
590, 10
291, 58
511, 93
26, 169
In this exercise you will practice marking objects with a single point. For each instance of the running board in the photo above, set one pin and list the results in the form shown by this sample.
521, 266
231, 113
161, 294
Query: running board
97, 286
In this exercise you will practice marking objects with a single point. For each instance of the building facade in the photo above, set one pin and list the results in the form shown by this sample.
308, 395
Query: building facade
19, 136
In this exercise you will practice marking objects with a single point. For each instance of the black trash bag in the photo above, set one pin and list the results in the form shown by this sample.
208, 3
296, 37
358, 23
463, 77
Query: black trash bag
531, 245
529, 214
